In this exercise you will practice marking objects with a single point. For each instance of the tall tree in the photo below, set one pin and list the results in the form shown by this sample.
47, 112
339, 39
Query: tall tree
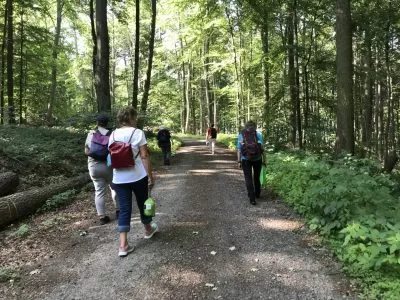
292, 71
94, 38
2, 68
136, 65
344, 77
102, 77
21, 66
143, 105
10, 61
54, 63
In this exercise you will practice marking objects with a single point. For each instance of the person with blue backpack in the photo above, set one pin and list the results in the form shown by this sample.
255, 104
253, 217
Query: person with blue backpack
250, 159
96, 148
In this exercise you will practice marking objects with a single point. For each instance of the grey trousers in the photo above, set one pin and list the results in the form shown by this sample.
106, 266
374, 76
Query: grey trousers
102, 178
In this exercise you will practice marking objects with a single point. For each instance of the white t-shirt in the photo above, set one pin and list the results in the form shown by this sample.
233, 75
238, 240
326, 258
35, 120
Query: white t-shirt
88, 141
128, 175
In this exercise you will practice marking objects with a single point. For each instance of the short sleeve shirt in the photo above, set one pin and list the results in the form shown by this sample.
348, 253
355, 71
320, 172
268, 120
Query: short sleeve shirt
128, 175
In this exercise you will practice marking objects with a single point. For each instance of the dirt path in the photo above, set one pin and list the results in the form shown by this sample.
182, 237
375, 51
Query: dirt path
212, 244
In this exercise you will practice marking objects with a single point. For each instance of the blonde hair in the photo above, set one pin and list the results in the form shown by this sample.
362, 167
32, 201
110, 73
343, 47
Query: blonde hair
127, 116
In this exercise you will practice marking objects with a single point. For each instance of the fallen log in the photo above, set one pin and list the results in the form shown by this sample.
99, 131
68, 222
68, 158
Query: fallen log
8, 183
16, 206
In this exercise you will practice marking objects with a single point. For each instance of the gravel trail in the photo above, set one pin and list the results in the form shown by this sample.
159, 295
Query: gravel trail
212, 244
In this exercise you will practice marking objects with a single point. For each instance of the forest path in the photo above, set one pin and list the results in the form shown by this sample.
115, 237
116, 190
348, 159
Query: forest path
212, 244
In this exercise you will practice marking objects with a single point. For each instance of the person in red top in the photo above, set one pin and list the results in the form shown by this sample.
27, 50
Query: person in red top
211, 137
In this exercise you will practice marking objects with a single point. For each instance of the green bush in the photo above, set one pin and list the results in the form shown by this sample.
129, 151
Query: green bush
59, 200
347, 201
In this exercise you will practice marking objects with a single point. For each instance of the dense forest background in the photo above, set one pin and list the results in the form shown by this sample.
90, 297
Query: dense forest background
317, 75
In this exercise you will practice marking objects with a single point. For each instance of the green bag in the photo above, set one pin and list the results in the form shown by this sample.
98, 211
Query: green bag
150, 207
263, 176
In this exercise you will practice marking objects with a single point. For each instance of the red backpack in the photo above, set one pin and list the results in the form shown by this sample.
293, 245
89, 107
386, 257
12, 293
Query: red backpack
121, 153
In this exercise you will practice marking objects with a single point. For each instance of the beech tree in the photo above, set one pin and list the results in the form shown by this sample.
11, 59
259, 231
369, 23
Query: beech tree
344, 57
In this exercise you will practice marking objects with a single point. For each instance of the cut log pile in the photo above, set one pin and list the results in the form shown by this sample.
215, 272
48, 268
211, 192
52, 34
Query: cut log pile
14, 207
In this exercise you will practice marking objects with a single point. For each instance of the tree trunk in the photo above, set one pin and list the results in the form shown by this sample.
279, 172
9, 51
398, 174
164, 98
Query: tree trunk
368, 94
292, 75
102, 79
21, 68
183, 102
52, 99
94, 39
298, 103
187, 97
113, 77
16, 206
237, 79
2, 68
206, 82
8, 183
10, 62
136, 66
143, 106
345, 105
265, 67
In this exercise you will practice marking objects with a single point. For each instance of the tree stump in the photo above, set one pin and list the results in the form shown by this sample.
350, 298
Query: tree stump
390, 161
8, 183
16, 206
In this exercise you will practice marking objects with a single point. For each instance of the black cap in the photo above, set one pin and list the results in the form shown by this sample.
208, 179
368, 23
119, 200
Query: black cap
102, 119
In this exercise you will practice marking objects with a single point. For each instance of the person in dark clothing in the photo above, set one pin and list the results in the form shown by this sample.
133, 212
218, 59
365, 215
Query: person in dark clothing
211, 137
249, 158
164, 142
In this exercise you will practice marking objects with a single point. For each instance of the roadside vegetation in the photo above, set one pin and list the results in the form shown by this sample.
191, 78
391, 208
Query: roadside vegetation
352, 205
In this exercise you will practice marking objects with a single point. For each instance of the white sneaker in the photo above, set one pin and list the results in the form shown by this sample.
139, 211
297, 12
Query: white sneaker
125, 251
150, 233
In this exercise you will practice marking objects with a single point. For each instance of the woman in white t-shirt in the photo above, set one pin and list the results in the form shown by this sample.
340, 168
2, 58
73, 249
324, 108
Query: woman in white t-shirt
137, 179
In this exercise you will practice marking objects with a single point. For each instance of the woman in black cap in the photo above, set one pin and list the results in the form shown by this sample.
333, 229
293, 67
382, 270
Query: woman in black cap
96, 148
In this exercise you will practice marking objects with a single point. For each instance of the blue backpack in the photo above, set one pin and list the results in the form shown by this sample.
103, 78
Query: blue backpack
99, 145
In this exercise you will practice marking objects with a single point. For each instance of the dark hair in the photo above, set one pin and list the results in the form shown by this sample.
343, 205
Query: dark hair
102, 120
250, 125
212, 125
127, 116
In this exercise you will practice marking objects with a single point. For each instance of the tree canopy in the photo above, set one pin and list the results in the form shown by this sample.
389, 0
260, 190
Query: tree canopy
311, 74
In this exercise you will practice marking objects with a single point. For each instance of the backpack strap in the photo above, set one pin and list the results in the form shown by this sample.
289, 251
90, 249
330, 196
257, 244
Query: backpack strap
113, 139
107, 134
131, 135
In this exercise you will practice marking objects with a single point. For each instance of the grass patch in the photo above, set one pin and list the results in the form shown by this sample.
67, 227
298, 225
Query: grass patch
58, 201
22, 231
7, 274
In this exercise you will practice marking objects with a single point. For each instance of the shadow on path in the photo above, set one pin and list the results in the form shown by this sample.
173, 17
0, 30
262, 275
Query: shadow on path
212, 244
